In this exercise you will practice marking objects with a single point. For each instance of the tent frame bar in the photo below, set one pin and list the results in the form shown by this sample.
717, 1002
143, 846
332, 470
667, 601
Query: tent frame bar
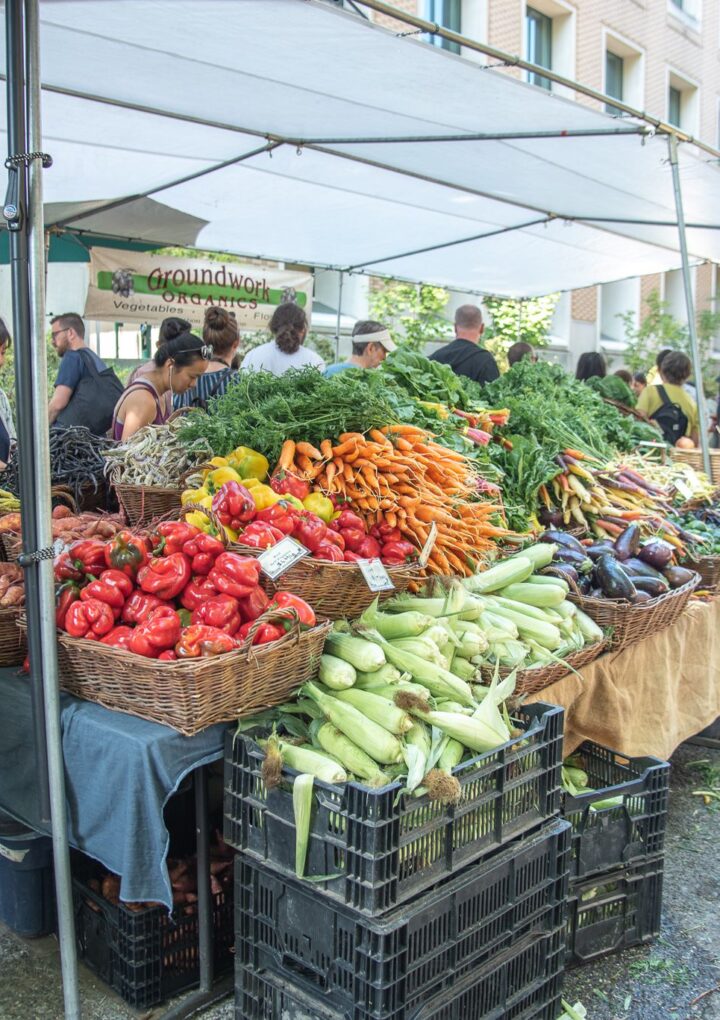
485, 136
513, 60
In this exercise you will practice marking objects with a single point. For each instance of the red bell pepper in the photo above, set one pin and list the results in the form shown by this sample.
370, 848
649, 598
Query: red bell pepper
139, 606
235, 575
200, 640
169, 655
254, 604
165, 576
285, 601
160, 631
221, 612
284, 482
348, 519
91, 619
233, 505
118, 637
369, 549
351, 557
309, 530
264, 635
261, 536
387, 534
127, 552
197, 591
82, 558
328, 551
66, 594
398, 552
203, 550
334, 538
353, 537
112, 587
279, 515
174, 535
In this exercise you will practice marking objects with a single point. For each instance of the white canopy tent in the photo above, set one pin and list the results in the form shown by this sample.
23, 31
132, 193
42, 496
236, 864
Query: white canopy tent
289, 129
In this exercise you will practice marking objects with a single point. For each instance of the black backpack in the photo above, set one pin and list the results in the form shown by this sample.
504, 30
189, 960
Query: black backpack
94, 399
671, 418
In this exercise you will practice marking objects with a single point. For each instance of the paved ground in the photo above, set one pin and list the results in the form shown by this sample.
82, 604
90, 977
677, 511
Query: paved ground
666, 981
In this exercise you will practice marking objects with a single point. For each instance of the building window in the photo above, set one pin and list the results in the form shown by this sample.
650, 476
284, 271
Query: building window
614, 67
683, 103
539, 28
674, 105
448, 14
689, 10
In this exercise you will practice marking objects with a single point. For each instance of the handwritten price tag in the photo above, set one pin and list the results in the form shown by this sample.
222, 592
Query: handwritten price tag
278, 559
376, 576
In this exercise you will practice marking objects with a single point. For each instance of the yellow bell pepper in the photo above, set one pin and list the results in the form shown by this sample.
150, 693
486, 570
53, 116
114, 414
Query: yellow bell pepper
263, 495
219, 462
216, 479
201, 521
230, 534
249, 463
319, 505
292, 500
200, 497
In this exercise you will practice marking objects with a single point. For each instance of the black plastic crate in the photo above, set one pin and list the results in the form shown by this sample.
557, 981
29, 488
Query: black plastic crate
632, 831
521, 983
385, 968
383, 847
614, 910
147, 955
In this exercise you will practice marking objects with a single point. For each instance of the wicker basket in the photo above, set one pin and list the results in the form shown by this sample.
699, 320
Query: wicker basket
530, 681
695, 459
708, 567
143, 503
627, 623
196, 693
13, 639
334, 590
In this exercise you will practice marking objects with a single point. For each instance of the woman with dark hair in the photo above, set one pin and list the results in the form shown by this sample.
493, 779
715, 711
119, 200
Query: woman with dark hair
639, 382
169, 329
289, 326
589, 364
178, 364
7, 425
220, 332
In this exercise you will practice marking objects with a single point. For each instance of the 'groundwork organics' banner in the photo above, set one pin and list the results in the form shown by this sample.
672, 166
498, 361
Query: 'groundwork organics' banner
128, 286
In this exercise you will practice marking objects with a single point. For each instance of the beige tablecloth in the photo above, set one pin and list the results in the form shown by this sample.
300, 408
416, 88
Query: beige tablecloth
648, 698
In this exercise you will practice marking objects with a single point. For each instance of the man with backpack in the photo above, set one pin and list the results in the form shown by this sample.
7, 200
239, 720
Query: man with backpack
86, 390
668, 404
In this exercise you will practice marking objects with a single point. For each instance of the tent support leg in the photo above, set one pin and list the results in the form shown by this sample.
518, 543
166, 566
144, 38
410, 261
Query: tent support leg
341, 277
690, 306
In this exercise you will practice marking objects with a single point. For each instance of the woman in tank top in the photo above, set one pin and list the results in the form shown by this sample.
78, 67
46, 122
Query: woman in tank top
179, 363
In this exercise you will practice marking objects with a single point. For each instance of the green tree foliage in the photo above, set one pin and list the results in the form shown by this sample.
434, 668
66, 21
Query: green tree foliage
518, 320
660, 329
7, 373
413, 313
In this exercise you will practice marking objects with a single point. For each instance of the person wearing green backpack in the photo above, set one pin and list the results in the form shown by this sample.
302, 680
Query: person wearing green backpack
86, 390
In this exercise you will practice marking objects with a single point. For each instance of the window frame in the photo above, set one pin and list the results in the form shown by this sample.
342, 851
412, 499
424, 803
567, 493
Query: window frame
537, 17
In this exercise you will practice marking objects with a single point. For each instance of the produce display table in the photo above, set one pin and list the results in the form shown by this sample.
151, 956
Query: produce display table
119, 773
648, 698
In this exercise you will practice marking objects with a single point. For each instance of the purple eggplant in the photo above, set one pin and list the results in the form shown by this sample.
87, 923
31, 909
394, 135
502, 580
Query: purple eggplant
562, 538
676, 577
654, 586
639, 597
550, 518
628, 544
576, 559
657, 553
613, 580
597, 549
564, 570
638, 568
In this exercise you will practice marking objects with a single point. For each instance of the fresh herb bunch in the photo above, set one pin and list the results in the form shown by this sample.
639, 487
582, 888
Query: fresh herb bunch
425, 379
612, 387
262, 410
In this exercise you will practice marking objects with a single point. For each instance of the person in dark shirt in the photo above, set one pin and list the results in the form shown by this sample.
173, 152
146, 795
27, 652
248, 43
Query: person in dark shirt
68, 338
464, 354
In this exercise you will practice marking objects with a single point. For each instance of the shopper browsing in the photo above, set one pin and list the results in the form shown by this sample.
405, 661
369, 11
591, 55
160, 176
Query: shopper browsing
86, 390
169, 329
590, 364
286, 350
465, 354
669, 405
220, 332
7, 425
371, 344
179, 363
519, 351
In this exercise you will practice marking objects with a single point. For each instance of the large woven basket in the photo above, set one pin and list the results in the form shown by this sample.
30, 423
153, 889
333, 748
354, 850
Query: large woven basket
628, 623
334, 590
695, 459
143, 503
529, 681
196, 693
708, 567
13, 639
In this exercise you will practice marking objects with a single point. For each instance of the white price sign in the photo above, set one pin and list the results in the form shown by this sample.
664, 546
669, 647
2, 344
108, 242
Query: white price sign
375, 574
278, 559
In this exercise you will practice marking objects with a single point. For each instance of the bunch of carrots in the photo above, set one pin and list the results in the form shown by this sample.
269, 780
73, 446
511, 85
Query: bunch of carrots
399, 477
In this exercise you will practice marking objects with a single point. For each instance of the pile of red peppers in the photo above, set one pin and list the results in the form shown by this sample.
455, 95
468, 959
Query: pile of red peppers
172, 593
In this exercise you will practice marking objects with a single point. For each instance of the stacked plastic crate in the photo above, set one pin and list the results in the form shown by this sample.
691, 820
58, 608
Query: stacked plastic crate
409, 908
617, 852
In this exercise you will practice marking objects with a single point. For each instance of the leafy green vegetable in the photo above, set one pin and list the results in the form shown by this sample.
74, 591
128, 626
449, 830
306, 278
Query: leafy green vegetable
612, 387
426, 379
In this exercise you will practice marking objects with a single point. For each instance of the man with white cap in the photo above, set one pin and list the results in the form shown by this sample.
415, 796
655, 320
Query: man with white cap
371, 345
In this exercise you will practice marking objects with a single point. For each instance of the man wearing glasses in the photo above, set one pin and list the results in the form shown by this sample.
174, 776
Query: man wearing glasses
86, 390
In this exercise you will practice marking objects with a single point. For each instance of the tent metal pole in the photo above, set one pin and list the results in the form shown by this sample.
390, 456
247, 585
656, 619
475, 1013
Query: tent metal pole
46, 581
341, 277
690, 306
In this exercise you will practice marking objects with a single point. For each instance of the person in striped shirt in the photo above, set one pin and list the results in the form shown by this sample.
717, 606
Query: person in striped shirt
220, 332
